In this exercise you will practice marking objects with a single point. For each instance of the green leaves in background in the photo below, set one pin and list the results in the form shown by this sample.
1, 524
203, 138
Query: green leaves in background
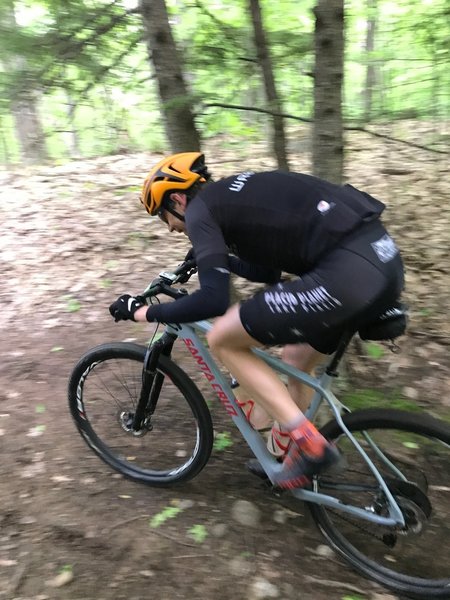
87, 63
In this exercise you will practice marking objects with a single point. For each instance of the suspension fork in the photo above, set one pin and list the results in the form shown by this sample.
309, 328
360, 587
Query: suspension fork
152, 379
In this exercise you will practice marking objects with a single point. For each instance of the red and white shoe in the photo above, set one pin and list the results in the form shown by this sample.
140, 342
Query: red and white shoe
308, 454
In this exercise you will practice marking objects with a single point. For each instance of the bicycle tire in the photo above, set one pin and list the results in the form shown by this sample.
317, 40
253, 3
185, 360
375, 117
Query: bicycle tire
163, 455
420, 461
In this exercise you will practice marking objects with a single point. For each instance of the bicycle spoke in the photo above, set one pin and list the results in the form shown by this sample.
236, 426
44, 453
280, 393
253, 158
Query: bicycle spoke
104, 392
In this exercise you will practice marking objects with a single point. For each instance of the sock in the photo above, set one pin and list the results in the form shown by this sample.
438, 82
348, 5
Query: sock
278, 440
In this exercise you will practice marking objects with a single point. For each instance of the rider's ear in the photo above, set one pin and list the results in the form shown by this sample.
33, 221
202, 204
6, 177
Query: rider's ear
178, 199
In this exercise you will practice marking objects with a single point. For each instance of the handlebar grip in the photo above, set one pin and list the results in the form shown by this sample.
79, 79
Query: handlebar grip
161, 285
186, 266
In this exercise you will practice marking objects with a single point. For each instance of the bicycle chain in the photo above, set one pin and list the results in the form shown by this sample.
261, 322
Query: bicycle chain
356, 524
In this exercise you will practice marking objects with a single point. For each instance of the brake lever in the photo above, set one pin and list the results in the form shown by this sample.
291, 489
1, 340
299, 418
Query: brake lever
184, 278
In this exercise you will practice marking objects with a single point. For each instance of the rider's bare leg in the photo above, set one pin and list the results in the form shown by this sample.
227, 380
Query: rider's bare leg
232, 345
308, 453
304, 358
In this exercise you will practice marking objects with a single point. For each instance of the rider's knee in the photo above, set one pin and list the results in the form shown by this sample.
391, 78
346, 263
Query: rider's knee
228, 334
215, 338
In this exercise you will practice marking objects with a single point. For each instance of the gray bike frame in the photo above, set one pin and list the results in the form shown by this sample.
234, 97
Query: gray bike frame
322, 387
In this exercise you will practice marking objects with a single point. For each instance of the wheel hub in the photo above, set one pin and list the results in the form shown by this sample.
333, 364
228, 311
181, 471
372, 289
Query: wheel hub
414, 504
126, 419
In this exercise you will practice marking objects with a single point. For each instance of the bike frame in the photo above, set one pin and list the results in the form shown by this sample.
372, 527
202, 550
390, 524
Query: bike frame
189, 333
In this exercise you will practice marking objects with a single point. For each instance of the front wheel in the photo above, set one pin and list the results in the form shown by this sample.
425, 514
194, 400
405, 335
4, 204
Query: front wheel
412, 452
176, 441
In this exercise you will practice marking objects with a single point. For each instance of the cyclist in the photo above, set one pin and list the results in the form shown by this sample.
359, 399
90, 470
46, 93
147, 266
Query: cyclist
257, 225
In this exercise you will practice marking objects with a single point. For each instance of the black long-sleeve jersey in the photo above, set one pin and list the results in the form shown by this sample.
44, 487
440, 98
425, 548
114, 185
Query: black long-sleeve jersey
276, 221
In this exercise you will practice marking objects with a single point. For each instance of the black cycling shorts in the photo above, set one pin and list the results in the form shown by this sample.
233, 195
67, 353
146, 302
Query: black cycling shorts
351, 285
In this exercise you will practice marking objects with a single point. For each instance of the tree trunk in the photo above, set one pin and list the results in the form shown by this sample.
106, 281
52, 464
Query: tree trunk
29, 128
71, 137
176, 104
24, 104
4, 152
370, 71
328, 145
264, 60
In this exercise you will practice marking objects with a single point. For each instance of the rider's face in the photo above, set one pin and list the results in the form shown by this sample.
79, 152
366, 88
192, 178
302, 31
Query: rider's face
173, 223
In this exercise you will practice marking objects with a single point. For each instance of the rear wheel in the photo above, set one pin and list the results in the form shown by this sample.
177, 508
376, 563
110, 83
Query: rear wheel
175, 443
412, 452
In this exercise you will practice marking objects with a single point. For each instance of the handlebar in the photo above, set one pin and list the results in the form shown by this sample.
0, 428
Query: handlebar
162, 284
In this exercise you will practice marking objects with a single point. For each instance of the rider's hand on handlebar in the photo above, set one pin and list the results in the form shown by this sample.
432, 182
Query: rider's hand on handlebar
124, 308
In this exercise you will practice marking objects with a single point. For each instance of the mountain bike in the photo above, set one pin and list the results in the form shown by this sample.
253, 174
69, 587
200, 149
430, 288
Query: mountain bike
387, 513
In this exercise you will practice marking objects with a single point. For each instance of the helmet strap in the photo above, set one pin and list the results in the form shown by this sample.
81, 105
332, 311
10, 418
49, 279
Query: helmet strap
175, 213
168, 205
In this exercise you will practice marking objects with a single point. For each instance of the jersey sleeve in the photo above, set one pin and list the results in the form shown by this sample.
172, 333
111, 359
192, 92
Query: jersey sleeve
211, 254
206, 236
253, 272
211, 300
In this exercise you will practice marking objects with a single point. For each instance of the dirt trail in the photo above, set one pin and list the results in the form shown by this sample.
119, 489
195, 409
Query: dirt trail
73, 238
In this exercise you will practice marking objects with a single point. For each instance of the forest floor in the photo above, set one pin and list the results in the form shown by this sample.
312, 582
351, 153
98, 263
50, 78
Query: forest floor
73, 238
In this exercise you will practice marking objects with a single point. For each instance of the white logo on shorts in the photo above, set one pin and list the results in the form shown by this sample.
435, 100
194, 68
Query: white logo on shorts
385, 248
315, 300
324, 206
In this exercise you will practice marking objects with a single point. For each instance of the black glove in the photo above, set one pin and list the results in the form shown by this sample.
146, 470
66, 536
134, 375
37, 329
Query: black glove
124, 307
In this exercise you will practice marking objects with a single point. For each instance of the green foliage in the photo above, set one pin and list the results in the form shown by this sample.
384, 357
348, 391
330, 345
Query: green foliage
66, 569
374, 350
411, 58
222, 441
169, 512
72, 304
369, 398
105, 283
85, 65
198, 533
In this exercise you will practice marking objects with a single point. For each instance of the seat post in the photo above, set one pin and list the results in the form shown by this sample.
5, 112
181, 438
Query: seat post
332, 367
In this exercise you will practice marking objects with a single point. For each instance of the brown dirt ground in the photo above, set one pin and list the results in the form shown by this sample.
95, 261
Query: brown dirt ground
72, 234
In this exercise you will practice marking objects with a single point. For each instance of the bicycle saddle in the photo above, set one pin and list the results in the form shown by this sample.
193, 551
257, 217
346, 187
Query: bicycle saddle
388, 326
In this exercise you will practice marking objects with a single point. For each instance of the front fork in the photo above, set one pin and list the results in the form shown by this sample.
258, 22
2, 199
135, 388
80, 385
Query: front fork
152, 379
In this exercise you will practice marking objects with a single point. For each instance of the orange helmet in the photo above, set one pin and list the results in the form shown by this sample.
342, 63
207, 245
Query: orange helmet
179, 172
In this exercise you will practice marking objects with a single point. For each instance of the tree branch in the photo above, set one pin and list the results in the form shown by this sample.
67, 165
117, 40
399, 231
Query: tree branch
106, 68
254, 109
227, 31
392, 139
305, 120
